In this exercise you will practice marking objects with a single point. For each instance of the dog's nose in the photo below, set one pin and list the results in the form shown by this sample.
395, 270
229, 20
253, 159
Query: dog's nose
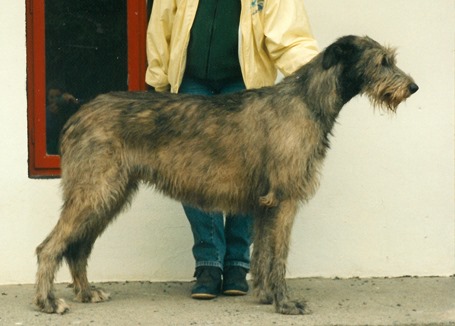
413, 88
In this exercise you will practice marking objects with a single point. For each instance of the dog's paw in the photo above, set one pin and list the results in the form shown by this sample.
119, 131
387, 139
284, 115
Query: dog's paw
99, 295
52, 306
268, 200
292, 307
62, 307
264, 297
93, 296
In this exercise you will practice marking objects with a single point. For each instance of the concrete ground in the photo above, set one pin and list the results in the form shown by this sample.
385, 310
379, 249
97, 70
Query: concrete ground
376, 301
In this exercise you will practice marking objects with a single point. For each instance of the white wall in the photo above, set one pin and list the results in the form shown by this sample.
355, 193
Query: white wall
386, 202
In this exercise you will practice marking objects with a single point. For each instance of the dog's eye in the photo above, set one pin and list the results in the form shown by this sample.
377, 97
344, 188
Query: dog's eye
385, 62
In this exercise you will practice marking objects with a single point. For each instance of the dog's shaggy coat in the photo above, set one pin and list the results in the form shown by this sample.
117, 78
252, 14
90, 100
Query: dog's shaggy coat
257, 152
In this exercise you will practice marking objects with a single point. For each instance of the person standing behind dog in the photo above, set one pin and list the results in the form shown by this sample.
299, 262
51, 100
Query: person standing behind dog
213, 47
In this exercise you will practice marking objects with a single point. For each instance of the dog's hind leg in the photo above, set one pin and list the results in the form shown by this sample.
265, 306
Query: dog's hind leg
49, 254
78, 252
278, 237
88, 209
77, 256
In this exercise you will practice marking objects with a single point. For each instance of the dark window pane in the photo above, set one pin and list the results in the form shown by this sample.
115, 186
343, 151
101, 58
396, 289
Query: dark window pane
86, 54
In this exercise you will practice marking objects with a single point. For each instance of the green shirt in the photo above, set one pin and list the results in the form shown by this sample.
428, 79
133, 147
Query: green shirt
213, 48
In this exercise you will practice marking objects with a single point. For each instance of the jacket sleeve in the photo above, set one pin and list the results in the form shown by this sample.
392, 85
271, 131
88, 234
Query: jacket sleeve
157, 43
288, 37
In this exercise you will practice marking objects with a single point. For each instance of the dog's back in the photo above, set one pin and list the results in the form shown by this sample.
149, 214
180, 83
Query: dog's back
212, 152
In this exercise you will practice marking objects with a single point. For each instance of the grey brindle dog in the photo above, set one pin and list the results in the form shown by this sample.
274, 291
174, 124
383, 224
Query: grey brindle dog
257, 152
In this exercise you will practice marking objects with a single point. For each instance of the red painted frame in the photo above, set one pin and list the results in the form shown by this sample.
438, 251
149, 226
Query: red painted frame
39, 162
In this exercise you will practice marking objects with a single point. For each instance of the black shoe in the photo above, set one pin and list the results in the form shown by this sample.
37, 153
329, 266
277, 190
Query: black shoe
234, 281
208, 283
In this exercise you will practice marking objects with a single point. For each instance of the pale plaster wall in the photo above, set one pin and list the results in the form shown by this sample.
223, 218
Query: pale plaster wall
386, 202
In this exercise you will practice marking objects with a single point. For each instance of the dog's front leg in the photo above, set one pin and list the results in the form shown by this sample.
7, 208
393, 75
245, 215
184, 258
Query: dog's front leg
279, 237
262, 255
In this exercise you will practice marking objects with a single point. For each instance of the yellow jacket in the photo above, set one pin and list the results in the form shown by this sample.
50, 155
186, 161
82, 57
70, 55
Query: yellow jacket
273, 34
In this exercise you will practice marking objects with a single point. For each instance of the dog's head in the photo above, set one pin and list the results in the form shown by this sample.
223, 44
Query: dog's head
365, 66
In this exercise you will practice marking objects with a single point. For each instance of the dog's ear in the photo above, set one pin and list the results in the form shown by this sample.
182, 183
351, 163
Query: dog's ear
343, 50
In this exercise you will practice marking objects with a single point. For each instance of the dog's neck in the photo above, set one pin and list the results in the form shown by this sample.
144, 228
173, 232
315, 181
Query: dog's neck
324, 107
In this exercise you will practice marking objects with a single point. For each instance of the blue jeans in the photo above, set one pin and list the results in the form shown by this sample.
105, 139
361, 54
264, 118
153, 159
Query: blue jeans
218, 243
